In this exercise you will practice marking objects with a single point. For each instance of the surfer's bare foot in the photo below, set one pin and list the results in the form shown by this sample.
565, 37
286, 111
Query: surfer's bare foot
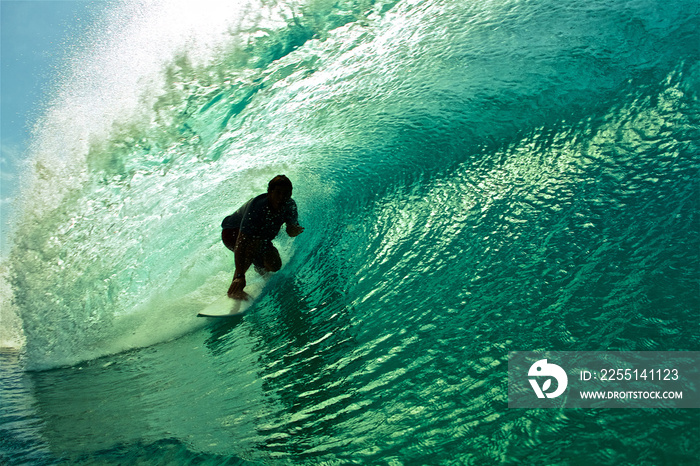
235, 291
243, 296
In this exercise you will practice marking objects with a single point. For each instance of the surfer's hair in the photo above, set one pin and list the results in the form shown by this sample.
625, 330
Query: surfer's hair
280, 181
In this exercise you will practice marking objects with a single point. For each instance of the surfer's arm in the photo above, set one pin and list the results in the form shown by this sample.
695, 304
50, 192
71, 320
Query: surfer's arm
291, 218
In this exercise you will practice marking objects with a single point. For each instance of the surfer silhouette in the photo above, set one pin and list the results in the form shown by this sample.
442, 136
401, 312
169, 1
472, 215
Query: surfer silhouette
249, 232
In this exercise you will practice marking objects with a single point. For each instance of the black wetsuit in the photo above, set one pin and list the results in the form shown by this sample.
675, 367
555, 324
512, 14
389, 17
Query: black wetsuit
256, 219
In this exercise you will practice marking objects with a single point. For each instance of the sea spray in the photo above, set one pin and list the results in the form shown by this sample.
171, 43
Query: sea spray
121, 154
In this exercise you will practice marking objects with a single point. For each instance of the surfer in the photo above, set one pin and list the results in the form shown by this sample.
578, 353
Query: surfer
249, 232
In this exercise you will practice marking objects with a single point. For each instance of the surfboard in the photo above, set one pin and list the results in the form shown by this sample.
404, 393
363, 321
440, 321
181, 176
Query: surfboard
226, 307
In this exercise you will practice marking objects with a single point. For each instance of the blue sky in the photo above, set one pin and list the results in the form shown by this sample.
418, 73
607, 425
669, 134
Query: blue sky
35, 36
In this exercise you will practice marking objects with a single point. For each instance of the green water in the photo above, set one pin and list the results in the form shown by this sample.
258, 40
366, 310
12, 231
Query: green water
474, 178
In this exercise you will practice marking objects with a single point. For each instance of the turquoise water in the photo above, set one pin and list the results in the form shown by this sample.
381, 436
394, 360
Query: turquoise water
474, 178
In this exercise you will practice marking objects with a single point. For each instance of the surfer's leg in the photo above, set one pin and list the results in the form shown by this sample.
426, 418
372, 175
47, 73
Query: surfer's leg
259, 260
271, 260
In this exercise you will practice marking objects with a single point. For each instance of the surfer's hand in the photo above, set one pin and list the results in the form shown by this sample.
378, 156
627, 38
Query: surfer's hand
235, 291
294, 230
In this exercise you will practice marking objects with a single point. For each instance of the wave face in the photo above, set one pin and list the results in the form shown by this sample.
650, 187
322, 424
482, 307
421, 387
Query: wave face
474, 178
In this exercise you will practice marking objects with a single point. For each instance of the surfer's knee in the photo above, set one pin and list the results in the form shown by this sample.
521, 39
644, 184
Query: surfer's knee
271, 258
274, 265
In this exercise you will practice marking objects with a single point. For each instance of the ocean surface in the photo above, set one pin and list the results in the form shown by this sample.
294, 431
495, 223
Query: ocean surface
475, 177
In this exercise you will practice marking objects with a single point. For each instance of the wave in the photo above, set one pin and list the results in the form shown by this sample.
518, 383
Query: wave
496, 142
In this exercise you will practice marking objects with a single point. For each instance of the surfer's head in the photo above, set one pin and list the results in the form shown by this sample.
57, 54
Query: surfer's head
279, 181
279, 191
